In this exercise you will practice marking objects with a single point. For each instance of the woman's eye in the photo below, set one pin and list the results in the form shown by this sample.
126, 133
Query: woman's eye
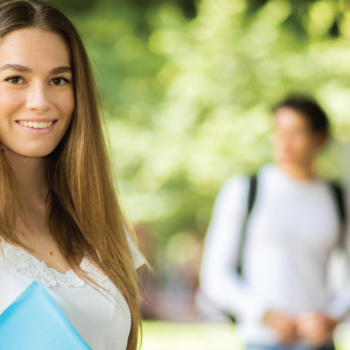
15, 80
59, 81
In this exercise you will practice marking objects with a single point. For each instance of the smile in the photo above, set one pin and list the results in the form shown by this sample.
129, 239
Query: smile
35, 125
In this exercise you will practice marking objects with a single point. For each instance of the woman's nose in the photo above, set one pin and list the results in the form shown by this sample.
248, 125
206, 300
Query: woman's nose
37, 99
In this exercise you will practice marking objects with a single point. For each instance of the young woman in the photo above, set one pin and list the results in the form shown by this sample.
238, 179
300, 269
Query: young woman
60, 220
281, 299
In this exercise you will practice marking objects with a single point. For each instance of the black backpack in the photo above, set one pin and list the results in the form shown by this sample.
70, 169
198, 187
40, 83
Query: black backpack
339, 200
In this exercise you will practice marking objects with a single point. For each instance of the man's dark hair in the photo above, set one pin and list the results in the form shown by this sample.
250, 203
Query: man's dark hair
310, 109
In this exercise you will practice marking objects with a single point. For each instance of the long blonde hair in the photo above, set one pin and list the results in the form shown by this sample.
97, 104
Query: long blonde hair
83, 208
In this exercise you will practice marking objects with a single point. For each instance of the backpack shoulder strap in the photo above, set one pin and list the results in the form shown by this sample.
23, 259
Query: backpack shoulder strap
339, 197
253, 187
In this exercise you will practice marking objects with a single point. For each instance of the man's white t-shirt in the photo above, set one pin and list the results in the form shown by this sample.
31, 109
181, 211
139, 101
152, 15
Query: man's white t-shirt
291, 233
102, 319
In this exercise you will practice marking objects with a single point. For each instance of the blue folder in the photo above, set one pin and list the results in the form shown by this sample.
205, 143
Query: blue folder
34, 321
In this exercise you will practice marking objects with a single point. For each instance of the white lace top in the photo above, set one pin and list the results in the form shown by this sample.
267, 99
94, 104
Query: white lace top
101, 321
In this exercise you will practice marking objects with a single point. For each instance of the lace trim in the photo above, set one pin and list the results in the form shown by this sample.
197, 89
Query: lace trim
92, 271
22, 260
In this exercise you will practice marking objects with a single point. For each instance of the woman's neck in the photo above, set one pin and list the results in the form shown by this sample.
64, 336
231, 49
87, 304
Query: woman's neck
298, 171
31, 175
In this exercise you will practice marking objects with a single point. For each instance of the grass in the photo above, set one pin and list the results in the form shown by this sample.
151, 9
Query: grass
187, 336
207, 336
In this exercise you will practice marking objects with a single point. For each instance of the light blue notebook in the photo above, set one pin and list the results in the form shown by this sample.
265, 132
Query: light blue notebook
34, 321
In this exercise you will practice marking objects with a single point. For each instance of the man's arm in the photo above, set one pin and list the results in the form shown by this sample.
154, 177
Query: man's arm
219, 280
339, 306
317, 328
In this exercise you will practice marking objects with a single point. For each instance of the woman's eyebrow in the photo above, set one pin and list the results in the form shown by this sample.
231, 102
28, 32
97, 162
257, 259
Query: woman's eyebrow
24, 69
62, 69
17, 67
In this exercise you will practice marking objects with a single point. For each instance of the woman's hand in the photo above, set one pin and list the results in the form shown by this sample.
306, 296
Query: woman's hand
316, 328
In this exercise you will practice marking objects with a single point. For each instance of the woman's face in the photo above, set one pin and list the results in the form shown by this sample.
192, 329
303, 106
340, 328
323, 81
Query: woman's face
36, 91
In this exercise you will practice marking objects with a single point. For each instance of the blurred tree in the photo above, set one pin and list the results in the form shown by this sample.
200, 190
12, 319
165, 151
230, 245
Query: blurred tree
188, 91
188, 7
299, 16
296, 21
221, 74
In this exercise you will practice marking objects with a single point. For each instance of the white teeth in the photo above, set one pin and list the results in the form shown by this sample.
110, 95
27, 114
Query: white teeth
36, 125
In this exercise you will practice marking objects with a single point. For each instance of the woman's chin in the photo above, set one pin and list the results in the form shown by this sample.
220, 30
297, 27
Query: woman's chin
28, 153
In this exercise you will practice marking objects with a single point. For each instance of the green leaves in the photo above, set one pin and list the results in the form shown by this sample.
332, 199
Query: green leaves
188, 101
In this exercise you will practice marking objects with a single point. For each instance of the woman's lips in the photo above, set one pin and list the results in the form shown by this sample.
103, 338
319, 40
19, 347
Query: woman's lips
36, 127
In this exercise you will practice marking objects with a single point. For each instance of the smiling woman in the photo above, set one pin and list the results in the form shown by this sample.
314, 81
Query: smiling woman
60, 219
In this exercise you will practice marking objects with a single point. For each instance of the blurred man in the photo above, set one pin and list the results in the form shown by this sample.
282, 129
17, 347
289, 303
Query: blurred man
279, 293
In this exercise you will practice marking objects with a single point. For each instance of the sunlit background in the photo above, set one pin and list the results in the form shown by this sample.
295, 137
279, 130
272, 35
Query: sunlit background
187, 88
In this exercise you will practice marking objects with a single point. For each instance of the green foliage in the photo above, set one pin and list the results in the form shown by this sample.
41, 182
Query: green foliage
300, 14
188, 101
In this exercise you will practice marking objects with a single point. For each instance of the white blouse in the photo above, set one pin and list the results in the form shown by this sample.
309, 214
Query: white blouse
102, 319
